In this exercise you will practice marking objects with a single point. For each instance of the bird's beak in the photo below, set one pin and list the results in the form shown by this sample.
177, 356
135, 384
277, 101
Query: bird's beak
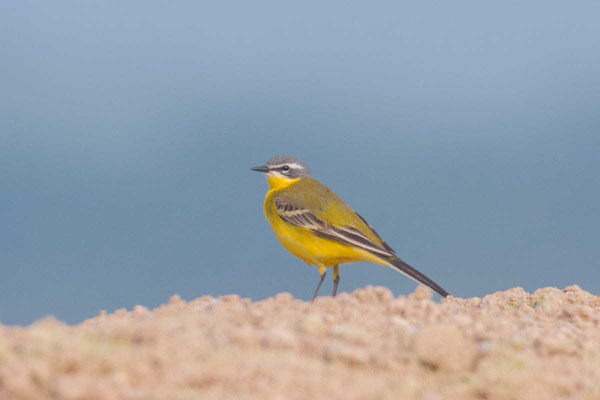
262, 168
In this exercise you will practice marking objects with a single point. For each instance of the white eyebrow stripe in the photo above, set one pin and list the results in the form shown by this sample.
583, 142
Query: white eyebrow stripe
291, 165
294, 165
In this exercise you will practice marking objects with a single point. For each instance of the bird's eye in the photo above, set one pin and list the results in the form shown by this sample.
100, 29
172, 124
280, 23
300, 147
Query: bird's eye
286, 168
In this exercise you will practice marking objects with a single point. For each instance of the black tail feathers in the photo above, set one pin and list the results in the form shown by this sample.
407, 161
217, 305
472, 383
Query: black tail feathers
416, 275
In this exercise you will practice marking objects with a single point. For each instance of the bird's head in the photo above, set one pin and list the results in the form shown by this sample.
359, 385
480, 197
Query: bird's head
283, 170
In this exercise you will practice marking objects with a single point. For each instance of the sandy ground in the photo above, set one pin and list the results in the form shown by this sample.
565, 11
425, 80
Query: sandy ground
363, 345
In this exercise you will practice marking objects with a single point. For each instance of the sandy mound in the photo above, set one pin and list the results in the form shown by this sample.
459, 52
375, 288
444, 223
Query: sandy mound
364, 345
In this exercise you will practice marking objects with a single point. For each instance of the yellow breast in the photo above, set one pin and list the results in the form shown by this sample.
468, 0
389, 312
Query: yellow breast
302, 242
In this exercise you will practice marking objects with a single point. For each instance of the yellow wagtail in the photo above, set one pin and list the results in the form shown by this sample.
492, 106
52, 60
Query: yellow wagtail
314, 224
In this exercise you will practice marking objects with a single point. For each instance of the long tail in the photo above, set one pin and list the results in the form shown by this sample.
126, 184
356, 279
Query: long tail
415, 275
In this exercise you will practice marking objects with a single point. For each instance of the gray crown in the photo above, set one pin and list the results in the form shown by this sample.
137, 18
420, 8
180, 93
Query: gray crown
297, 169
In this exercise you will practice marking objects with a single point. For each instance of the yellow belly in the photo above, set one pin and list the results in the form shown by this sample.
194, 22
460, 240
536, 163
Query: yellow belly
312, 249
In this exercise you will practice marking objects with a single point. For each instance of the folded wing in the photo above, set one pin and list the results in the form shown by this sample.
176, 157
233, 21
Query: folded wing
295, 214
349, 235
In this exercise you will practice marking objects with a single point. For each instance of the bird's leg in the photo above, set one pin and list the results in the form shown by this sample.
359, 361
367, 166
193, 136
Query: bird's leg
323, 273
336, 278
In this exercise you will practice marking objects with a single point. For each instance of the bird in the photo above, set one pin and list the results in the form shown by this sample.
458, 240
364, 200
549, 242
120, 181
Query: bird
317, 226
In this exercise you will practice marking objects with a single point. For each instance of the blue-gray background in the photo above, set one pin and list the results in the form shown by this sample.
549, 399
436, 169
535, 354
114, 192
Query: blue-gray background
467, 133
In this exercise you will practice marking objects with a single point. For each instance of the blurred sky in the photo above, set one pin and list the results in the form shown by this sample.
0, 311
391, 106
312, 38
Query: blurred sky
466, 133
